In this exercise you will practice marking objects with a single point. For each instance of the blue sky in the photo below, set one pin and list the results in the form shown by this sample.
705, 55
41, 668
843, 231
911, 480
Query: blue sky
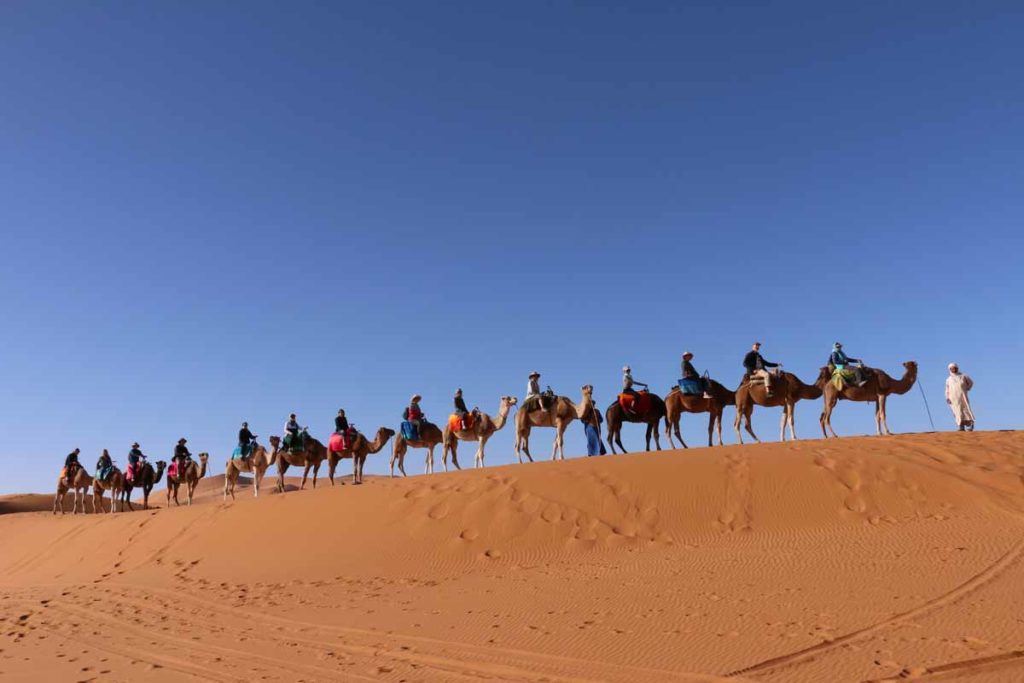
217, 211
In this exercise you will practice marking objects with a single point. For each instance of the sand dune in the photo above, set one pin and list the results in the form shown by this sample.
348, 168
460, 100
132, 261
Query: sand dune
861, 559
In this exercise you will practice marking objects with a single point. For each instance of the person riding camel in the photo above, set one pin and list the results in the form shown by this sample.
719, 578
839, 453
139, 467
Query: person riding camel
462, 411
245, 439
532, 387
71, 465
840, 360
181, 456
756, 366
135, 459
413, 414
291, 432
104, 466
690, 372
627, 388
341, 427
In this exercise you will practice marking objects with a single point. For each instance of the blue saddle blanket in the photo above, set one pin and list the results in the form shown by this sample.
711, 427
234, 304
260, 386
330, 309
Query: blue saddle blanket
241, 452
409, 431
690, 387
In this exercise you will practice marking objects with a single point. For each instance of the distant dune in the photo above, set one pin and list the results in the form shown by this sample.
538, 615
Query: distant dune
859, 559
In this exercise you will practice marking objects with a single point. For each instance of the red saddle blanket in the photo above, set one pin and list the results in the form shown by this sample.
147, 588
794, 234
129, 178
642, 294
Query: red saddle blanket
455, 423
638, 404
340, 442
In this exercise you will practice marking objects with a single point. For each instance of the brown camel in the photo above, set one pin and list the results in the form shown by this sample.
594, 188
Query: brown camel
787, 389
358, 449
677, 403
558, 416
114, 483
430, 435
190, 476
615, 415
483, 429
80, 483
309, 458
146, 478
256, 464
877, 387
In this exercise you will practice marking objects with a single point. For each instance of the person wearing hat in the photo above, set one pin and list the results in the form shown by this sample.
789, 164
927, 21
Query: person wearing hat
690, 372
840, 360
71, 464
181, 455
291, 432
757, 366
627, 386
532, 387
135, 457
957, 386
414, 414
340, 422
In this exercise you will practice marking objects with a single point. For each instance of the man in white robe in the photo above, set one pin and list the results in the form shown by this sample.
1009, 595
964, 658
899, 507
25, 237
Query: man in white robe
957, 386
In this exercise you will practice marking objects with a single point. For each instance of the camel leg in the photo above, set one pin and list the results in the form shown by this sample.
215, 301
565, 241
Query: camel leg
747, 423
668, 432
332, 463
483, 445
305, 476
394, 456
785, 419
882, 413
429, 468
736, 426
878, 418
718, 422
227, 483
316, 472
355, 468
792, 422
257, 479
711, 428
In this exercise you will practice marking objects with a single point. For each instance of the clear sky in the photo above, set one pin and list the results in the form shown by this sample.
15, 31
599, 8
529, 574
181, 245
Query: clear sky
221, 211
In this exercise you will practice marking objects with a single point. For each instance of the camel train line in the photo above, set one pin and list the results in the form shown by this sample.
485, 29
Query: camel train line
548, 411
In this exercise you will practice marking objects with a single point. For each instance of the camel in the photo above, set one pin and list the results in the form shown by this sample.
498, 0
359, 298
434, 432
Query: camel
190, 477
677, 403
114, 482
309, 458
558, 416
877, 387
615, 415
80, 483
358, 449
787, 390
430, 436
146, 478
256, 464
483, 429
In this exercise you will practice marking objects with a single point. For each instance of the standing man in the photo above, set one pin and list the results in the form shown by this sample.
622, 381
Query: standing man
756, 366
957, 386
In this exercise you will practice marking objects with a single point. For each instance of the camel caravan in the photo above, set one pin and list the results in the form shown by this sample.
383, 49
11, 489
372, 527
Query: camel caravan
764, 384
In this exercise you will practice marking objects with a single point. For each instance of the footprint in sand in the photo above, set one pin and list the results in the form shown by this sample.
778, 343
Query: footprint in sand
439, 511
469, 534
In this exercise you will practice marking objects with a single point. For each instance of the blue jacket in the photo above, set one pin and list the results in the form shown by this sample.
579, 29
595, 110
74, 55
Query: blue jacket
840, 359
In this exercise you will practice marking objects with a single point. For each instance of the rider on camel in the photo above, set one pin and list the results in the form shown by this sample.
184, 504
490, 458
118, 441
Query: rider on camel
461, 410
756, 366
71, 464
104, 466
627, 387
135, 459
291, 429
181, 456
840, 360
690, 372
414, 414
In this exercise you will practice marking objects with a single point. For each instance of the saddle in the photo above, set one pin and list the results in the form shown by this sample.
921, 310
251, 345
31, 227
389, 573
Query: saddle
290, 441
342, 441
461, 424
690, 387
638, 404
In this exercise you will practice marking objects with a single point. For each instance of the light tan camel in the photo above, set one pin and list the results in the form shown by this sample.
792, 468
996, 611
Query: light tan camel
877, 386
189, 477
483, 429
146, 478
615, 415
430, 436
309, 458
358, 449
256, 464
677, 403
559, 416
787, 389
80, 483
113, 483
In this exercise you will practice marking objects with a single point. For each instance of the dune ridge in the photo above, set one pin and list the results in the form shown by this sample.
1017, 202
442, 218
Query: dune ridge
856, 559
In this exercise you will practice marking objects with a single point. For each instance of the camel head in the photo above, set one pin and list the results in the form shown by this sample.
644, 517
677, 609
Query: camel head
823, 375
203, 457
509, 401
911, 366
160, 465
588, 390
275, 441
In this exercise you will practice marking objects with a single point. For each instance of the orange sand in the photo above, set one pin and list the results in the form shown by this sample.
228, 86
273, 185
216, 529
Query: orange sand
859, 559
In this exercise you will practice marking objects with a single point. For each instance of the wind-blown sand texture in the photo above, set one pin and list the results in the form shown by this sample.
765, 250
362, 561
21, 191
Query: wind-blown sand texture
861, 559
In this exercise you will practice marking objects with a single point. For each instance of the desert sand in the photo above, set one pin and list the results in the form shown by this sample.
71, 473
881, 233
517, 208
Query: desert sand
861, 559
